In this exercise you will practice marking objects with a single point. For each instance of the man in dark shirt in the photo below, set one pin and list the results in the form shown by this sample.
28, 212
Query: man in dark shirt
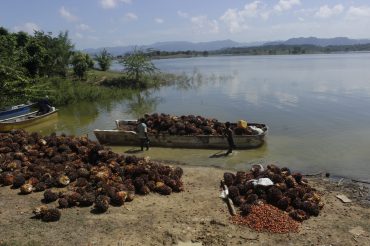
44, 106
229, 136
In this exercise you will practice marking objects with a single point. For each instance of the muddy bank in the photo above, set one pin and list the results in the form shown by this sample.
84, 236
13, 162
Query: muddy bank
196, 216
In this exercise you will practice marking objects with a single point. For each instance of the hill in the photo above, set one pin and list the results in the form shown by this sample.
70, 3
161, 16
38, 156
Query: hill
320, 41
173, 46
177, 46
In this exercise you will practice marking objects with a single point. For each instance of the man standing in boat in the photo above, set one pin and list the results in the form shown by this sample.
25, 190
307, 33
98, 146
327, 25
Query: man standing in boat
229, 136
142, 131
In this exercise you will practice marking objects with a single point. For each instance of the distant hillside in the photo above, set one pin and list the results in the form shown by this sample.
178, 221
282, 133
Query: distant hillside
175, 46
320, 41
181, 45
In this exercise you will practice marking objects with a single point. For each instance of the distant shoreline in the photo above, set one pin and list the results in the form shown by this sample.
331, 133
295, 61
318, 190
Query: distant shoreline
179, 56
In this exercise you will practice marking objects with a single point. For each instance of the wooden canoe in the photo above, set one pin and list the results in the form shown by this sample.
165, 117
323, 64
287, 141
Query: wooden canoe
26, 120
120, 136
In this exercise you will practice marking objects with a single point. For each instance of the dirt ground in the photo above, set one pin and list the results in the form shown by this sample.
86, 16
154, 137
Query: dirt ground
194, 217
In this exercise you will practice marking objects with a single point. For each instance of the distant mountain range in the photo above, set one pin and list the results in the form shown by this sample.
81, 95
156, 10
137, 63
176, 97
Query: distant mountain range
175, 46
320, 41
216, 45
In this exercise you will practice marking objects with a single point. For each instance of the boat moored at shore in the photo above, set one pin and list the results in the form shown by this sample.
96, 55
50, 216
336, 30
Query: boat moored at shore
26, 120
125, 134
15, 111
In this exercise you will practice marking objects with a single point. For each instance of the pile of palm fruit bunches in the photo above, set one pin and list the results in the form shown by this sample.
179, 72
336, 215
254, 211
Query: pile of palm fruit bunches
189, 125
91, 174
290, 191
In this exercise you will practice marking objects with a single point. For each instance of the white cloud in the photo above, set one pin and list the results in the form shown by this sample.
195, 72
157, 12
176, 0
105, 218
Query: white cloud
250, 10
159, 20
265, 15
131, 17
202, 23
79, 35
236, 20
83, 27
358, 12
308, 12
326, 12
286, 5
28, 27
110, 4
67, 15
182, 14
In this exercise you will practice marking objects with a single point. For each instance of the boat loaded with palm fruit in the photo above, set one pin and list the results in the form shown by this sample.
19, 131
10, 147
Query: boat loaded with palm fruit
190, 131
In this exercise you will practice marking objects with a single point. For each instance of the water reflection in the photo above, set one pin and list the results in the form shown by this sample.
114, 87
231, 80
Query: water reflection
45, 127
142, 103
196, 79
80, 114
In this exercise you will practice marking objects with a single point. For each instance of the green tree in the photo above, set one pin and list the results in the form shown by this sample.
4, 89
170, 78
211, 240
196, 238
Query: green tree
54, 54
35, 57
3, 31
90, 61
104, 60
136, 65
61, 52
80, 64
22, 39
13, 79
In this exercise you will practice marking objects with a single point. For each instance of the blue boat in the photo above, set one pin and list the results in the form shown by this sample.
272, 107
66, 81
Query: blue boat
15, 111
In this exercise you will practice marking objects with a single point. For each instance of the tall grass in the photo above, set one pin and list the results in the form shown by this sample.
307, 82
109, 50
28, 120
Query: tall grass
98, 85
65, 91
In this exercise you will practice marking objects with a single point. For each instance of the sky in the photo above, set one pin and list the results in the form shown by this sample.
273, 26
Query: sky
107, 23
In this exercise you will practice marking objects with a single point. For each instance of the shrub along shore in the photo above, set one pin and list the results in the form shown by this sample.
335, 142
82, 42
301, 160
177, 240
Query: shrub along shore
33, 66
99, 85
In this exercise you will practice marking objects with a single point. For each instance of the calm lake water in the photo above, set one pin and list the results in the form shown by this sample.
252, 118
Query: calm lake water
317, 108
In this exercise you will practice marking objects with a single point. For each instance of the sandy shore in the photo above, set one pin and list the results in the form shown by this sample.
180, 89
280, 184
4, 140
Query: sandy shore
196, 216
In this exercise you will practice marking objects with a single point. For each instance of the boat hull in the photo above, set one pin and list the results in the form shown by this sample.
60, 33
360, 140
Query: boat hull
25, 121
17, 111
122, 137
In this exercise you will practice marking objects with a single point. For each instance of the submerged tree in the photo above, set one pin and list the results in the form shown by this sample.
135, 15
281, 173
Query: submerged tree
104, 60
137, 64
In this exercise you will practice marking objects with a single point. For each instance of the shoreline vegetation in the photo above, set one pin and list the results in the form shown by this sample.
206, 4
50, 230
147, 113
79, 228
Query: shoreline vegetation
39, 65
100, 85
279, 49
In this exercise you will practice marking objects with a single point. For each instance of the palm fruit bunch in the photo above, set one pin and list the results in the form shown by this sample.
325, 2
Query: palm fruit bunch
46, 214
91, 173
189, 125
290, 191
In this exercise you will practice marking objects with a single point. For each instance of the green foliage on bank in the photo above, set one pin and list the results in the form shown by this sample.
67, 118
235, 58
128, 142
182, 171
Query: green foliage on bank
278, 49
146, 81
64, 91
104, 60
137, 65
33, 66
